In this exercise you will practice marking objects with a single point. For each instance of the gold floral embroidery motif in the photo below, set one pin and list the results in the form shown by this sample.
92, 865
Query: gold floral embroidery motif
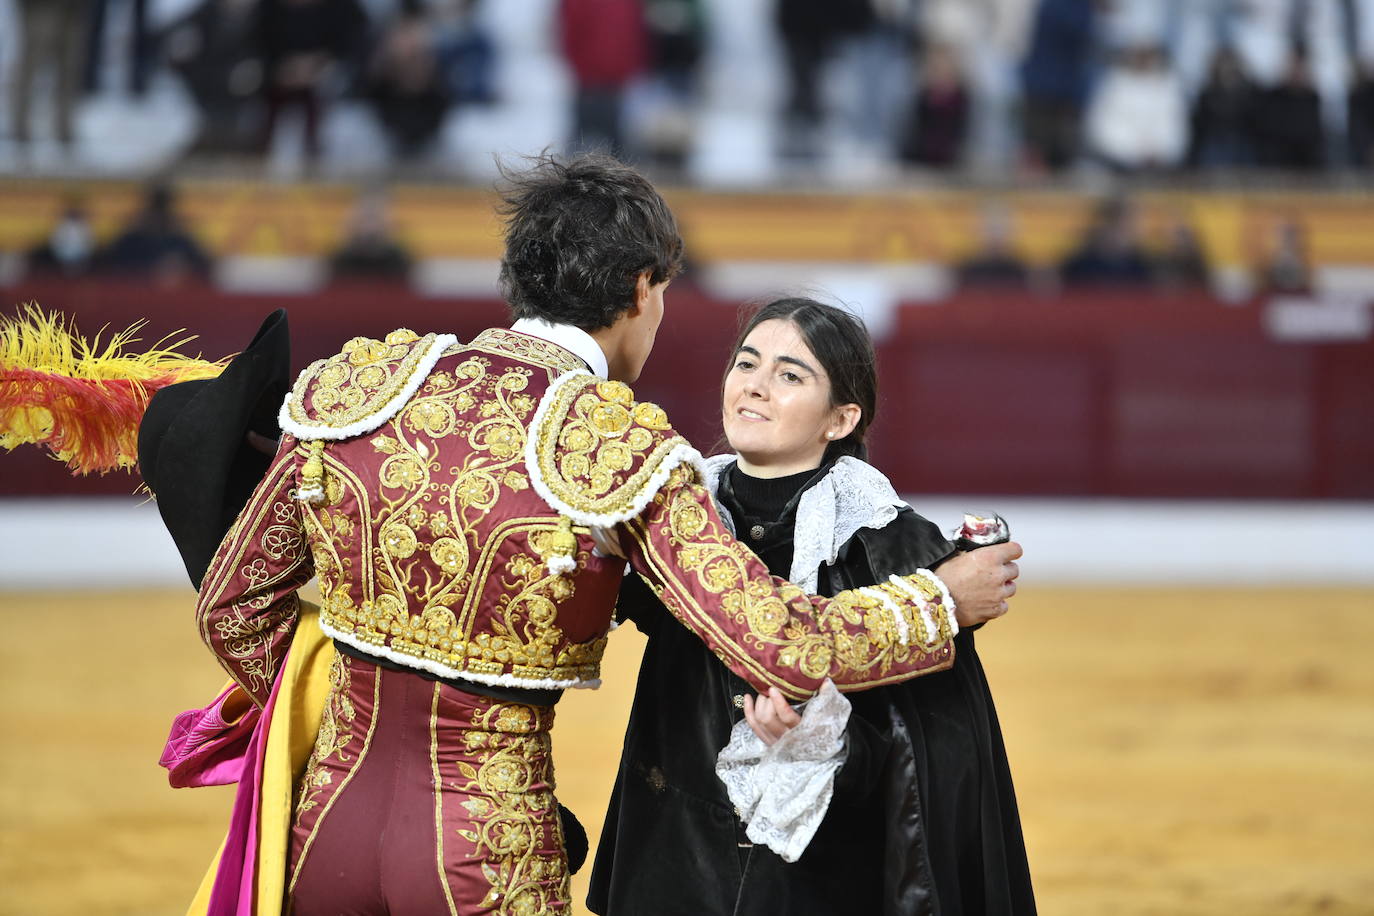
522, 641
595, 451
331, 535
720, 566
427, 508
355, 383
511, 811
502, 342
333, 737
246, 635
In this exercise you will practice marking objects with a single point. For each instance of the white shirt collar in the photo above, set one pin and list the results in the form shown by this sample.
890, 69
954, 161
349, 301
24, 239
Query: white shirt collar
573, 339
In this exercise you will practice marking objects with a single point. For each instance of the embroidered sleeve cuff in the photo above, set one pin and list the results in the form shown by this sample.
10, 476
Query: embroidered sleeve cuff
932, 617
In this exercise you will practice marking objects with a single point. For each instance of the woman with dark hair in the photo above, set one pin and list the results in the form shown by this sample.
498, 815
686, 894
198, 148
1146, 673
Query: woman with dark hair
917, 813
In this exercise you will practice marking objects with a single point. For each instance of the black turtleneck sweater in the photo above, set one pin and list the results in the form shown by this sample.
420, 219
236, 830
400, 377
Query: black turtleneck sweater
764, 510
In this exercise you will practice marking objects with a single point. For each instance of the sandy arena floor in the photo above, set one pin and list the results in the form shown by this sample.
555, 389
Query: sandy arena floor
1176, 752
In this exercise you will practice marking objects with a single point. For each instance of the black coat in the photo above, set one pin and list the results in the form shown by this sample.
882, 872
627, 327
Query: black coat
923, 819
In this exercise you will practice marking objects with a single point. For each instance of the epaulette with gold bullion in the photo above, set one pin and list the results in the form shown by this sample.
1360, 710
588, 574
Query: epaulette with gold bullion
360, 388
354, 392
596, 455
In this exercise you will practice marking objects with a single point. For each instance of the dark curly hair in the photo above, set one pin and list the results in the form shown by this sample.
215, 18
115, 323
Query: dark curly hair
578, 235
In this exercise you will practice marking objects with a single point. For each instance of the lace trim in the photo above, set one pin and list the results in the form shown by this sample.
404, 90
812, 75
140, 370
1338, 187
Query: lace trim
783, 790
851, 496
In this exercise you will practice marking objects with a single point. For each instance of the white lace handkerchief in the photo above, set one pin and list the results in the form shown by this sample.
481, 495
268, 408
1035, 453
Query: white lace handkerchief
782, 791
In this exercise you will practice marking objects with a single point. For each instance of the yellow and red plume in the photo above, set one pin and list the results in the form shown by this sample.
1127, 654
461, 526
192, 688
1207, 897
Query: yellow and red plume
83, 399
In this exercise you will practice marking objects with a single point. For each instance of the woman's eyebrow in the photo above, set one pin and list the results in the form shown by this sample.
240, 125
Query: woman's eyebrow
796, 362
745, 348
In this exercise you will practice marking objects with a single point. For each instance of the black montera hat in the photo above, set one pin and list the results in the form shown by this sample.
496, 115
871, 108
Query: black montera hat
192, 444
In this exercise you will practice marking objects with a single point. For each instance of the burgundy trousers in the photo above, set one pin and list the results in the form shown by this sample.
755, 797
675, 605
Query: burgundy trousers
423, 799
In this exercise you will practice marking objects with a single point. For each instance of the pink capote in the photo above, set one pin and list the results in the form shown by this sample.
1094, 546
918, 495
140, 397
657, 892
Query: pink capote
265, 751
207, 746
212, 747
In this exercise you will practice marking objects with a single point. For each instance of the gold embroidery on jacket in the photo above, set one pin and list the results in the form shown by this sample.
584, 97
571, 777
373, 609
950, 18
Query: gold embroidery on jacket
356, 383
242, 635
591, 436
502, 342
810, 645
418, 597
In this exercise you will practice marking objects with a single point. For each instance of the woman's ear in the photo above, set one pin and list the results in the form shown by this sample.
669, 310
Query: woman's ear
843, 419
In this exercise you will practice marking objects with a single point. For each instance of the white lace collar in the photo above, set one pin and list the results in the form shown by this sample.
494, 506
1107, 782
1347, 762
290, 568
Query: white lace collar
573, 339
851, 496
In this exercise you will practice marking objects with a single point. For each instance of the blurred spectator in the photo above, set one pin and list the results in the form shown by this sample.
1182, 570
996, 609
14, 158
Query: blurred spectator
677, 33
606, 47
156, 244
810, 31
1222, 134
995, 262
53, 39
370, 249
139, 62
1288, 120
1180, 262
304, 43
405, 85
677, 37
1289, 270
215, 50
70, 246
1110, 253
934, 134
1138, 118
467, 55
1360, 114
1055, 80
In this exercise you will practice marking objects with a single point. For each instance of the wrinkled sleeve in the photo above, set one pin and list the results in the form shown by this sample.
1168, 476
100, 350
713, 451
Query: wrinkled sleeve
248, 606
767, 630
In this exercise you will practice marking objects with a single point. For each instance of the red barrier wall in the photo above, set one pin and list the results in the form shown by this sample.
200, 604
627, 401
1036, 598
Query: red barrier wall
1090, 394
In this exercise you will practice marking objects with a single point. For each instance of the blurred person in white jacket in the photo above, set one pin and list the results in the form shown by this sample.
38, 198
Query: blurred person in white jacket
1138, 118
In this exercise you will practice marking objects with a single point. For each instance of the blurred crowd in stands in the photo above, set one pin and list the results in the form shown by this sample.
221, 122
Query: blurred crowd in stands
1113, 252
155, 244
727, 89
158, 245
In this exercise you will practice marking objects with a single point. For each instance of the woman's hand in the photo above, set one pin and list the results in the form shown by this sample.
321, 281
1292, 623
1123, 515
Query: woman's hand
771, 717
981, 582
